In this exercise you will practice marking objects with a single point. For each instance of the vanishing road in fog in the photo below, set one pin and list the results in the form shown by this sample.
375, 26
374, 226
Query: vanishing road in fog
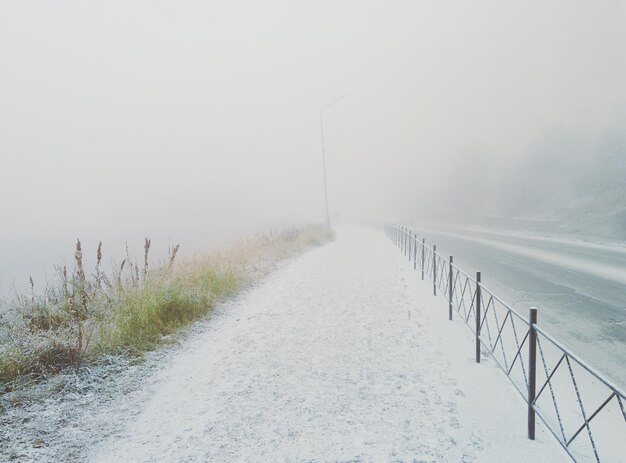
579, 288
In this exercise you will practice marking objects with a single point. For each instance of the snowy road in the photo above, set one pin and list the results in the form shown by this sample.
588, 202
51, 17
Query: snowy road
341, 355
580, 288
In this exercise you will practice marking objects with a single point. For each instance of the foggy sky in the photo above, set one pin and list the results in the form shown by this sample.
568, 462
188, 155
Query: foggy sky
191, 121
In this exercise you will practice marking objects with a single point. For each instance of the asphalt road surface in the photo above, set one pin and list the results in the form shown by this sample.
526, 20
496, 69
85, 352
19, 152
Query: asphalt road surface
579, 287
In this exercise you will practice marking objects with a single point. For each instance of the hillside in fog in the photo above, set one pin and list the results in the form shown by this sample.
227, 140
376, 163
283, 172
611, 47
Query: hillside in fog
565, 183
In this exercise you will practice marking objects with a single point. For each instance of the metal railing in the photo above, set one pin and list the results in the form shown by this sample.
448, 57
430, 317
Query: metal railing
583, 410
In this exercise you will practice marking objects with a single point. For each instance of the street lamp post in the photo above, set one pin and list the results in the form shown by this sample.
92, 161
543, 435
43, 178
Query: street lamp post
324, 156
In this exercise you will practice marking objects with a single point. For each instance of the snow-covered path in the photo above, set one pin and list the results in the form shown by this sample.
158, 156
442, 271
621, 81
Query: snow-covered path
342, 355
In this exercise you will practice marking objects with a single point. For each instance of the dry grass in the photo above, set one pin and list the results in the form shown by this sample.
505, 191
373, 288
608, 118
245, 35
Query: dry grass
83, 317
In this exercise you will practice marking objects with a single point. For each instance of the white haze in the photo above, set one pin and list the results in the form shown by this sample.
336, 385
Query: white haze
198, 121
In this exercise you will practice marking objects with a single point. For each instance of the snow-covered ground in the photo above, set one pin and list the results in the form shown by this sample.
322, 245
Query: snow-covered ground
341, 355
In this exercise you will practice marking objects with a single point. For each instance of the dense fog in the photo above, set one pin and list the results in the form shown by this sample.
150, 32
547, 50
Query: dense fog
198, 122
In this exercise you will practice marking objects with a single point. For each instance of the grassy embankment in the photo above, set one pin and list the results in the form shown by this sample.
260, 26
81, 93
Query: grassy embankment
83, 317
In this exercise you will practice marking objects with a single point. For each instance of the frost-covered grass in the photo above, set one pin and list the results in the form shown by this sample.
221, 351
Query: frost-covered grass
139, 306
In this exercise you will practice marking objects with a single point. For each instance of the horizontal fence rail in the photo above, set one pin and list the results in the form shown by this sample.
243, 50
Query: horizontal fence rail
584, 411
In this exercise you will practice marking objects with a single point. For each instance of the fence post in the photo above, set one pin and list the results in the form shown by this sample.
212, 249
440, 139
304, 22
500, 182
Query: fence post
423, 246
415, 251
410, 244
434, 269
477, 312
532, 370
450, 289
404, 240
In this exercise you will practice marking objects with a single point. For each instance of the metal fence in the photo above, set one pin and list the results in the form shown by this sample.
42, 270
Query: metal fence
581, 408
